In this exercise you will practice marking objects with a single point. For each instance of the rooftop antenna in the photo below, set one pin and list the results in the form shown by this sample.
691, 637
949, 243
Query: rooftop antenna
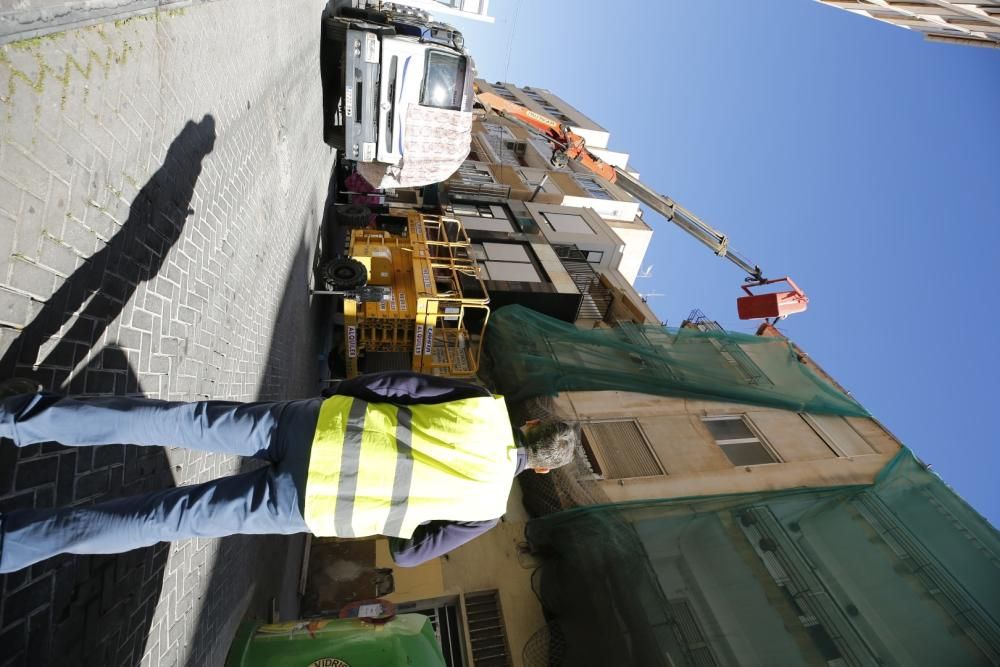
649, 295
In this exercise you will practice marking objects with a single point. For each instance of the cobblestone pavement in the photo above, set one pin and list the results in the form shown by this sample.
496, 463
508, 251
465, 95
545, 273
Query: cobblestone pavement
162, 182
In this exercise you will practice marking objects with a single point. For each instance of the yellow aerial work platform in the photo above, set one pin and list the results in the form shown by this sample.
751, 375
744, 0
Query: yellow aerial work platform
423, 313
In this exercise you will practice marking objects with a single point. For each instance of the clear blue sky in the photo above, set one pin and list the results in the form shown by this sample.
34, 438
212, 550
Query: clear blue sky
849, 154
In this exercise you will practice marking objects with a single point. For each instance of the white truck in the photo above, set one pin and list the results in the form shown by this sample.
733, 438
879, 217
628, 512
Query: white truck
399, 94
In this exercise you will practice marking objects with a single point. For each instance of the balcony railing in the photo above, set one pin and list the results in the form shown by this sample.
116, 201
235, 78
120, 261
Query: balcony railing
597, 298
459, 189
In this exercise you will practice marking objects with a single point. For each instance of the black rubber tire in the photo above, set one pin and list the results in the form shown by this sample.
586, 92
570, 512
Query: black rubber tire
353, 216
345, 273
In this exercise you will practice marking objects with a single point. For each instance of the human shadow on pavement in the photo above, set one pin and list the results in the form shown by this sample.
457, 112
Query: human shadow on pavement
82, 610
267, 565
101, 287
94, 610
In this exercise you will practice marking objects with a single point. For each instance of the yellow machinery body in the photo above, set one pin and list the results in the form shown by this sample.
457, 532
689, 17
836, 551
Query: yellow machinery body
425, 315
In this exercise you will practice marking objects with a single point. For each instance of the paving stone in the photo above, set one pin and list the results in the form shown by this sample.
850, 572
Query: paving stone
104, 161
35, 472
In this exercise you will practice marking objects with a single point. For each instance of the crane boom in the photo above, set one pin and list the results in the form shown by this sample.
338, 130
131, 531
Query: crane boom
686, 220
567, 145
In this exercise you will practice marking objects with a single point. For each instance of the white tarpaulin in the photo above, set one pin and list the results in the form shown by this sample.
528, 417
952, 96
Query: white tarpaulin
435, 143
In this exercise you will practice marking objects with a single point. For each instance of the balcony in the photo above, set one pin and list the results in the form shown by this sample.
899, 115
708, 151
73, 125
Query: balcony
596, 301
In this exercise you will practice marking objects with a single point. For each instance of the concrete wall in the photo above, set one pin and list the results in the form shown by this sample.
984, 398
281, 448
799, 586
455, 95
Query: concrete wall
696, 466
490, 562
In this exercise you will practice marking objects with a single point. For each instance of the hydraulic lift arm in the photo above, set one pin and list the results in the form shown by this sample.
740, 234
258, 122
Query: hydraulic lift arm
567, 145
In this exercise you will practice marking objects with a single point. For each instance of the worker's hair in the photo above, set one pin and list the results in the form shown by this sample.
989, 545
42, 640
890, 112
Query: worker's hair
552, 444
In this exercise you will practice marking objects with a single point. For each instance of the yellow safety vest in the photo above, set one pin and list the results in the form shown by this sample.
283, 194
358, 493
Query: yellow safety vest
382, 469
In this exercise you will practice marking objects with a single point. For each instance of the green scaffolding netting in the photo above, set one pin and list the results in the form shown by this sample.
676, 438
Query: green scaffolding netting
896, 573
536, 355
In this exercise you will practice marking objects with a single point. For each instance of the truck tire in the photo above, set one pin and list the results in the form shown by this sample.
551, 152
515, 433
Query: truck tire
353, 216
345, 273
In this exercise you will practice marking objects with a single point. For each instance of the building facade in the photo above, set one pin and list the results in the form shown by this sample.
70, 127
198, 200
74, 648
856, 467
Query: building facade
788, 527
972, 23
510, 156
476, 10
730, 503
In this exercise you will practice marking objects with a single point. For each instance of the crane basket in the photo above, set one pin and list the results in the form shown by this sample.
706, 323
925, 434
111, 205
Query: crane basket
771, 304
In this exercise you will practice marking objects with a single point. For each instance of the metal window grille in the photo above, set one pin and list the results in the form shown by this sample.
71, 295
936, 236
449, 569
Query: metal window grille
689, 633
506, 94
486, 629
449, 633
619, 449
591, 186
597, 298
472, 174
447, 623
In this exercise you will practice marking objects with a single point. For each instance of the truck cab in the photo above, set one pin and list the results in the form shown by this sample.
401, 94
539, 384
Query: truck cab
386, 60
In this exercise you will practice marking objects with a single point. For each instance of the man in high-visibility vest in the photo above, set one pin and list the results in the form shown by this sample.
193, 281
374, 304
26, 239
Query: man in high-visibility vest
423, 459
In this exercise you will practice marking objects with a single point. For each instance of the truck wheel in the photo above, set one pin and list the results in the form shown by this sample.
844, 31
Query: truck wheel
353, 216
345, 273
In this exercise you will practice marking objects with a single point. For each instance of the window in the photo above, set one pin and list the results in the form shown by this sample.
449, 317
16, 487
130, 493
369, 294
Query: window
538, 179
591, 186
506, 94
444, 77
506, 261
446, 621
479, 210
505, 145
548, 107
496, 132
838, 434
569, 223
484, 217
555, 114
473, 174
738, 441
487, 633
688, 631
594, 256
619, 449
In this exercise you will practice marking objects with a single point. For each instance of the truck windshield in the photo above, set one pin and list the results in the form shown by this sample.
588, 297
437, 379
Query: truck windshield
444, 80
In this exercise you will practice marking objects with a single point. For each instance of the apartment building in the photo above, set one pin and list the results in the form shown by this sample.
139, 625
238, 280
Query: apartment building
509, 156
730, 505
967, 23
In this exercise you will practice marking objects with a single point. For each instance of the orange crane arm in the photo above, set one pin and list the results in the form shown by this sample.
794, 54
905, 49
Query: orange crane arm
567, 145
564, 141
